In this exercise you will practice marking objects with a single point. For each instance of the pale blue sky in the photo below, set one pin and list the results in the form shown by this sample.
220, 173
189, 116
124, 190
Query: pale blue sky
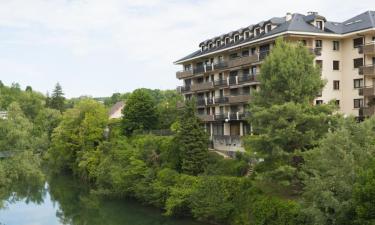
97, 47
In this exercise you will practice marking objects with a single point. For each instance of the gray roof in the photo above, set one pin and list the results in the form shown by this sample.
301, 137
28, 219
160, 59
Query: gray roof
299, 23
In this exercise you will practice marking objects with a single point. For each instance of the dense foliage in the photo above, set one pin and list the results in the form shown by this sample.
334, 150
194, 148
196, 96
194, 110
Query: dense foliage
304, 164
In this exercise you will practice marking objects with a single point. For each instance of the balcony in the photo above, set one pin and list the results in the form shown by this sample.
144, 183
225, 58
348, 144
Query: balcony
238, 115
367, 91
263, 55
367, 49
316, 51
247, 78
184, 74
202, 86
367, 70
220, 116
239, 61
220, 65
183, 89
221, 82
221, 100
239, 99
206, 117
199, 69
367, 111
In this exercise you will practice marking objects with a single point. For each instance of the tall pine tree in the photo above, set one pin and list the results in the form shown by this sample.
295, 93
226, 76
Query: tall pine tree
192, 142
57, 100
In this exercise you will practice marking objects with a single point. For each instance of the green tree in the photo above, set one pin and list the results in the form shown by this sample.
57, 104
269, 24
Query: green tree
282, 116
75, 140
331, 170
57, 98
191, 141
364, 196
288, 75
139, 113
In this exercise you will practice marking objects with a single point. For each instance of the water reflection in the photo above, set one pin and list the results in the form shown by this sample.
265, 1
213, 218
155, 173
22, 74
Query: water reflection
66, 201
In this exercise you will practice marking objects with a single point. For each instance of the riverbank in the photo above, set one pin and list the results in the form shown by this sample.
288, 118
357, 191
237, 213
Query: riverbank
65, 200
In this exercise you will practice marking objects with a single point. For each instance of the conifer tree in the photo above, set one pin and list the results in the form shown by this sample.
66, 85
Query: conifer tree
192, 142
57, 98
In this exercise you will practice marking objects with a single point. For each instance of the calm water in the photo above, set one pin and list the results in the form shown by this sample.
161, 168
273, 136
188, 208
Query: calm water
64, 201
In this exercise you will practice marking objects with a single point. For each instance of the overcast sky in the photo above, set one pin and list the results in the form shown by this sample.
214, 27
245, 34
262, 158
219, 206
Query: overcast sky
98, 47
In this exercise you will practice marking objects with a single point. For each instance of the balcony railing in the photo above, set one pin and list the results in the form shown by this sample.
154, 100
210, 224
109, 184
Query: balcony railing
202, 86
220, 82
206, 117
221, 100
368, 70
220, 65
367, 111
239, 61
239, 98
199, 69
367, 91
263, 55
367, 49
183, 89
184, 74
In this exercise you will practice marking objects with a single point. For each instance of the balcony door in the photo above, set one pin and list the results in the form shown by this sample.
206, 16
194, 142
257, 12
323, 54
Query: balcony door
373, 60
235, 129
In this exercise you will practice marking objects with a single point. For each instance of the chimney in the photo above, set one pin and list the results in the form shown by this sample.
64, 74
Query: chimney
288, 16
312, 13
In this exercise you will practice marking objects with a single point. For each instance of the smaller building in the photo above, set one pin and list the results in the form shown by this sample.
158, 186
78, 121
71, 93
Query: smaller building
3, 115
116, 111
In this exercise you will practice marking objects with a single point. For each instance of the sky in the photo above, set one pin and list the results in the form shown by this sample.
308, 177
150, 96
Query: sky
99, 47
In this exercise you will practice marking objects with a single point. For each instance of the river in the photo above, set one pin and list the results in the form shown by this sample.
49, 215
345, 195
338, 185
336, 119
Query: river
63, 200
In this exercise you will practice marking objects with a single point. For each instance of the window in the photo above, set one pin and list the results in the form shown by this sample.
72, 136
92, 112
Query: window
336, 65
357, 42
257, 31
318, 44
358, 103
336, 45
253, 51
358, 83
319, 25
236, 37
319, 102
373, 38
233, 56
337, 102
358, 62
319, 63
268, 27
211, 45
227, 40
187, 67
203, 48
247, 34
336, 85
245, 53
218, 43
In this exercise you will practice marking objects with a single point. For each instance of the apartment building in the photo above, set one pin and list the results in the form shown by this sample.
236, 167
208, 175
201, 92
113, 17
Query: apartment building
223, 74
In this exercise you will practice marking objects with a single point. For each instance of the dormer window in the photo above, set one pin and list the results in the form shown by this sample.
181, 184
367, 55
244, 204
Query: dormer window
218, 43
236, 37
268, 28
227, 40
257, 31
247, 34
210, 45
203, 48
319, 24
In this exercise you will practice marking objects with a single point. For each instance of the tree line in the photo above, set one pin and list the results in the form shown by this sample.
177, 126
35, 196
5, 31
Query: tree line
310, 164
